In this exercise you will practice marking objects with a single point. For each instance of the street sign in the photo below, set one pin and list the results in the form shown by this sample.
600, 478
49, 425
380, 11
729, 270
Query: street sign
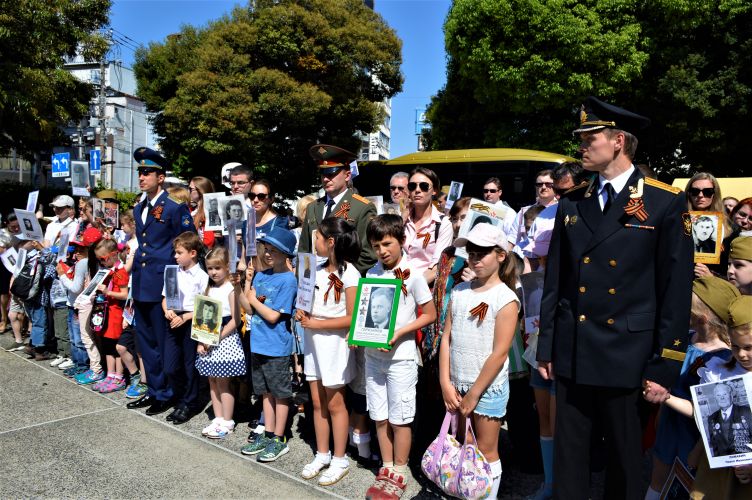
95, 161
61, 165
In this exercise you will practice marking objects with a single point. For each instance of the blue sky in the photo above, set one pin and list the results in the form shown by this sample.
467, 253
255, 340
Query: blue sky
417, 22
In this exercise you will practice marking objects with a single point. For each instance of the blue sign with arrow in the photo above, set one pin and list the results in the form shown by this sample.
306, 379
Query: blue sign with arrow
61, 165
95, 161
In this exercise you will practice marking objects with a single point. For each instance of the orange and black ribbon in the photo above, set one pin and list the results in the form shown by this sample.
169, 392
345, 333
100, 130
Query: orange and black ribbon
261, 298
402, 275
157, 212
336, 283
343, 210
480, 310
426, 239
636, 207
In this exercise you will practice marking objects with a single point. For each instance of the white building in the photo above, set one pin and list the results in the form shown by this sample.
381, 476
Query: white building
126, 122
376, 145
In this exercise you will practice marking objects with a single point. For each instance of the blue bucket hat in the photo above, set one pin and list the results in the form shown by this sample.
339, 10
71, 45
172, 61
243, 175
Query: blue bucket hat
281, 239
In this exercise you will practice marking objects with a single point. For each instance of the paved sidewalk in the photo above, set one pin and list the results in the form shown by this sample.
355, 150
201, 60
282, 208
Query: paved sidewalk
63, 440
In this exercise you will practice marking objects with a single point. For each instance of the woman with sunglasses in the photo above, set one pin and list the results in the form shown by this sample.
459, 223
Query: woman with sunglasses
427, 231
198, 187
261, 198
704, 195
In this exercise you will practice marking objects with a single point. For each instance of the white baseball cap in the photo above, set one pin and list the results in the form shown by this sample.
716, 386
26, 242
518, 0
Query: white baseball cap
62, 201
483, 235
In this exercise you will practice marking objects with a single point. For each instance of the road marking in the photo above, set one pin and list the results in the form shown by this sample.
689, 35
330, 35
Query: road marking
58, 420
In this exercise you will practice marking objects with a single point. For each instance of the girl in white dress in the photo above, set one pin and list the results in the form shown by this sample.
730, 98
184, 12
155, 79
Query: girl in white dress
329, 364
473, 360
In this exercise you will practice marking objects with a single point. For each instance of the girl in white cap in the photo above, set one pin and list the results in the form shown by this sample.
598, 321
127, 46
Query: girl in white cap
473, 360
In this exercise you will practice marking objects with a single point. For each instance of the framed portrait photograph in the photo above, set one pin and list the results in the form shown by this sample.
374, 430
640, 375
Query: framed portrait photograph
211, 211
207, 320
250, 235
479, 211
111, 214
233, 208
91, 288
29, 224
707, 236
171, 291
232, 244
9, 258
455, 192
724, 417
375, 312
80, 178
390, 208
97, 209
679, 482
306, 281
31, 201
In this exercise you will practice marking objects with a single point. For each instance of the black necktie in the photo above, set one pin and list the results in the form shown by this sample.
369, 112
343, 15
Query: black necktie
610, 195
329, 206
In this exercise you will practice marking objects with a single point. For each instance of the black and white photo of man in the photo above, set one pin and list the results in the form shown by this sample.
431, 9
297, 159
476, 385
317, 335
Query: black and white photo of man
703, 233
380, 307
729, 427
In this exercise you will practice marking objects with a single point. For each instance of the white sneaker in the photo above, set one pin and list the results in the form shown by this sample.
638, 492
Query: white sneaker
214, 423
68, 363
58, 359
221, 430
338, 469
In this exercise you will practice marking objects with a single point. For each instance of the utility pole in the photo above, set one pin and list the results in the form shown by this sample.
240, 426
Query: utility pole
103, 111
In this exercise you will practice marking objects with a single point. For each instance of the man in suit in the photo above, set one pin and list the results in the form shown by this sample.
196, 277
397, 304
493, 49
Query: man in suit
616, 301
339, 201
730, 427
159, 219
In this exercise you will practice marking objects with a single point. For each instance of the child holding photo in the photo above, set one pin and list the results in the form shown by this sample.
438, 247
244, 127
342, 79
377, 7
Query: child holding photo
270, 294
391, 375
329, 364
222, 362
180, 349
724, 482
478, 332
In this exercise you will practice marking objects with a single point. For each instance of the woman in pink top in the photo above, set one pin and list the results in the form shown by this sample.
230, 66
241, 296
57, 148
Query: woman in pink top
427, 231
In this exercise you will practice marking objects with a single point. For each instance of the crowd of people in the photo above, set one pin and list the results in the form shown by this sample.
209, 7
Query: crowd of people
625, 321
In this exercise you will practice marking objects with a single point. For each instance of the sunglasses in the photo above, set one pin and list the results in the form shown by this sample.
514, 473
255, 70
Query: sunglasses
261, 196
706, 192
492, 191
147, 171
549, 185
397, 188
424, 186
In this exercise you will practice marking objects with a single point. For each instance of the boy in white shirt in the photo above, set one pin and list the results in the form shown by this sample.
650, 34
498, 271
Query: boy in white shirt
391, 375
180, 348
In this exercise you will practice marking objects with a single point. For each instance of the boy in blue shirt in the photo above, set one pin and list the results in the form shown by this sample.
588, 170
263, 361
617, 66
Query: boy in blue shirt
271, 298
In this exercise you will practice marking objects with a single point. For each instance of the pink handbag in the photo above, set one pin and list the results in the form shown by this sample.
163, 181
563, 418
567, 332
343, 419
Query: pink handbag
460, 470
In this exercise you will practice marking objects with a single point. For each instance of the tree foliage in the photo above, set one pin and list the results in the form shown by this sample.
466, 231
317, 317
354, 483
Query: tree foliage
518, 70
266, 82
36, 94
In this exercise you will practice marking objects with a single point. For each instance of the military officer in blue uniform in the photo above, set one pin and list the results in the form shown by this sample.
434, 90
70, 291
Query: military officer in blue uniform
159, 219
616, 302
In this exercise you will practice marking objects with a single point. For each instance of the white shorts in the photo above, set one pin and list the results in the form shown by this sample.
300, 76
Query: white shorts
390, 389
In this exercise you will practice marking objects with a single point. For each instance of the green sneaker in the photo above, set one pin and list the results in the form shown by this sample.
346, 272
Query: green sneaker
273, 450
257, 444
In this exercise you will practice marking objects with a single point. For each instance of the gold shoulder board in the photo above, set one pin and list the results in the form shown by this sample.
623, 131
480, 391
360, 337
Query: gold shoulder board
662, 185
175, 200
361, 199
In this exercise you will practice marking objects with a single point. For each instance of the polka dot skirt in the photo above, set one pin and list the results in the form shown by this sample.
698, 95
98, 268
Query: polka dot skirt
225, 360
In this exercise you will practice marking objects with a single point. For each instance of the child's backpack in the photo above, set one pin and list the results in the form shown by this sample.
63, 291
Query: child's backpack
26, 283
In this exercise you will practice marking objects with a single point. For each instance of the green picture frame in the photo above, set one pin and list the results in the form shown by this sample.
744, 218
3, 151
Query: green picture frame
376, 300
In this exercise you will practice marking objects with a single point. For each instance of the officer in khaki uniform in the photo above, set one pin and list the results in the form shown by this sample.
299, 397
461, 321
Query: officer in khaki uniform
616, 303
339, 201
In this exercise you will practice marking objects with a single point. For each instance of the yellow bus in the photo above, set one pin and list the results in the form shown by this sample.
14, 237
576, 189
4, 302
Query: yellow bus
516, 168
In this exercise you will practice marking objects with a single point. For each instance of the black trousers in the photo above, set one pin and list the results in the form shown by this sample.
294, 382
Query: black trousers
180, 365
581, 409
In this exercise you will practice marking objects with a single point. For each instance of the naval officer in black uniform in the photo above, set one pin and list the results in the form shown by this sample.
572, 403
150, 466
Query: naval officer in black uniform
616, 302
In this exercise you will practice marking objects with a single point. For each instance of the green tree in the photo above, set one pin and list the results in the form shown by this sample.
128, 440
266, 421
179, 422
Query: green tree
266, 82
36, 94
518, 70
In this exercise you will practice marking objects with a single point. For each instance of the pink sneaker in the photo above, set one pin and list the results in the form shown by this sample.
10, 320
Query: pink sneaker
115, 384
98, 386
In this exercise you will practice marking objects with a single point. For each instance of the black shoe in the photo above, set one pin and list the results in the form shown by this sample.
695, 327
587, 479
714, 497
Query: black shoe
171, 416
158, 407
182, 415
141, 402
